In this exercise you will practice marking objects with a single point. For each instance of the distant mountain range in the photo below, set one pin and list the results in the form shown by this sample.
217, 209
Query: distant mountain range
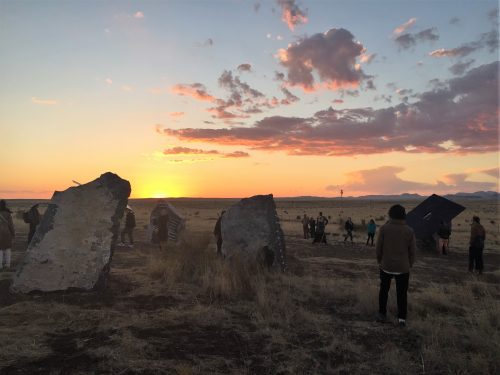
478, 195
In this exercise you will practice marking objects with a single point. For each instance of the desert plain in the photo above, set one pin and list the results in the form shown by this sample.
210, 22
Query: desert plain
186, 311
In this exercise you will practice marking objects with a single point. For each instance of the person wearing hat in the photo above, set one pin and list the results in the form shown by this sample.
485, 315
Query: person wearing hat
396, 249
7, 234
129, 226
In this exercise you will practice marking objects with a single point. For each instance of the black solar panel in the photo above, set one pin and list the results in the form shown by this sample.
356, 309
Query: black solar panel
427, 216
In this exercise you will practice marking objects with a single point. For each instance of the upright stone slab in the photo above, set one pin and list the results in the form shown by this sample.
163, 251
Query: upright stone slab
251, 225
73, 245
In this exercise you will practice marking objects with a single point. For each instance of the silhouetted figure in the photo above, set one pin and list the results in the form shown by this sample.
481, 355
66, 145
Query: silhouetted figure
321, 223
128, 229
305, 226
312, 227
218, 233
163, 229
32, 217
396, 249
444, 233
372, 228
476, 245
269, 257
7, 234
349, 227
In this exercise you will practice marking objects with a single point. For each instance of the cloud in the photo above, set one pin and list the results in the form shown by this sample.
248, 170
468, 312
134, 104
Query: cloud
207, 43
200, 152
338, 101
385, 180
459, 116
195, 90
127, 88
256, 7
367, 58
455, 21
176, 114
291, 14
401, 29
138, 15
493, 172
460, 67
487, 40
108, 81
408, 40
43, 101
244, 68
332, 55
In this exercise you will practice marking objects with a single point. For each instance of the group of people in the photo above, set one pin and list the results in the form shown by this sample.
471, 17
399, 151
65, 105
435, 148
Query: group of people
315, 229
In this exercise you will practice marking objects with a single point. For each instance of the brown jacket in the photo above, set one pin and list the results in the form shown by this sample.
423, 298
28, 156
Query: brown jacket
396, 247
477, 235
7, 232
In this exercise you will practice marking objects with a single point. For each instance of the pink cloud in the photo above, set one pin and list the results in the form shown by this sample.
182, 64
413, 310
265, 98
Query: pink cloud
139, 15
200, 152
332, 55
291, 14
195, 90
459, 116
43, 101
402, 28
176, 114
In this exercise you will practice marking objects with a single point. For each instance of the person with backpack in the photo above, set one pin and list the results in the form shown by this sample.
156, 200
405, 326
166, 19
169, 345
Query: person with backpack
476, 245
444, 233
320, 235
7, 234
32, 217
128, 229
372, 227
349, 227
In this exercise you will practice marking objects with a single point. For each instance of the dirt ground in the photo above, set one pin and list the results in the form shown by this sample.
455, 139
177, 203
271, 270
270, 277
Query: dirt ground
184, 311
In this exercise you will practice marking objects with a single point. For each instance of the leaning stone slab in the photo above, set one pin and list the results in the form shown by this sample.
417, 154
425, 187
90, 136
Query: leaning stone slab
251, 227
74, 243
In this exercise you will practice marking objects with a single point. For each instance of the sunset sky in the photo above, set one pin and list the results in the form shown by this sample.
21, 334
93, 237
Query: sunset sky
232, 98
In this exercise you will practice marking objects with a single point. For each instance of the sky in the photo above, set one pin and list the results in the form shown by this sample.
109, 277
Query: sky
232, 98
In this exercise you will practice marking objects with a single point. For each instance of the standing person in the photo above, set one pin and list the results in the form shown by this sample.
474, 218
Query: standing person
305, 226
476, 245
444, 233
321, 223
128, 229
32, 217
163, 228
396, 250
349, 227
312, 227
7, 234
218, 233
372, 228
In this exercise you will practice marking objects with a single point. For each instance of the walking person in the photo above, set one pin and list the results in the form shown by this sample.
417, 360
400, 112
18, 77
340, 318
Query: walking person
7, 234
444, 233
305, 226
349, 227
128, 229
396, 249
476, 245
372, 228
32, 217
163, 229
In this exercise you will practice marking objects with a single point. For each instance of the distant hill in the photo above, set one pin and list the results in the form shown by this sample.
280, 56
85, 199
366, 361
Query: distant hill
479, 195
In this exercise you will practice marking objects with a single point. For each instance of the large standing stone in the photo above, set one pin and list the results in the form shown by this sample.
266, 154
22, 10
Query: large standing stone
252, 225
74, 243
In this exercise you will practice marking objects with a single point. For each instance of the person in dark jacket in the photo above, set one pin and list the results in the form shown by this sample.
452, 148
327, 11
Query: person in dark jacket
163, 228
218, 233
372, 228
32, 217
349, 227
305, 226
321, 223
444, 233
396, 249
128, 229
476, 245
7, 234
312, 227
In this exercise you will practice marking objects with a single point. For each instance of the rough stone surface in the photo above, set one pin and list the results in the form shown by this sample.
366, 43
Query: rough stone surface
73, 245
250, 225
